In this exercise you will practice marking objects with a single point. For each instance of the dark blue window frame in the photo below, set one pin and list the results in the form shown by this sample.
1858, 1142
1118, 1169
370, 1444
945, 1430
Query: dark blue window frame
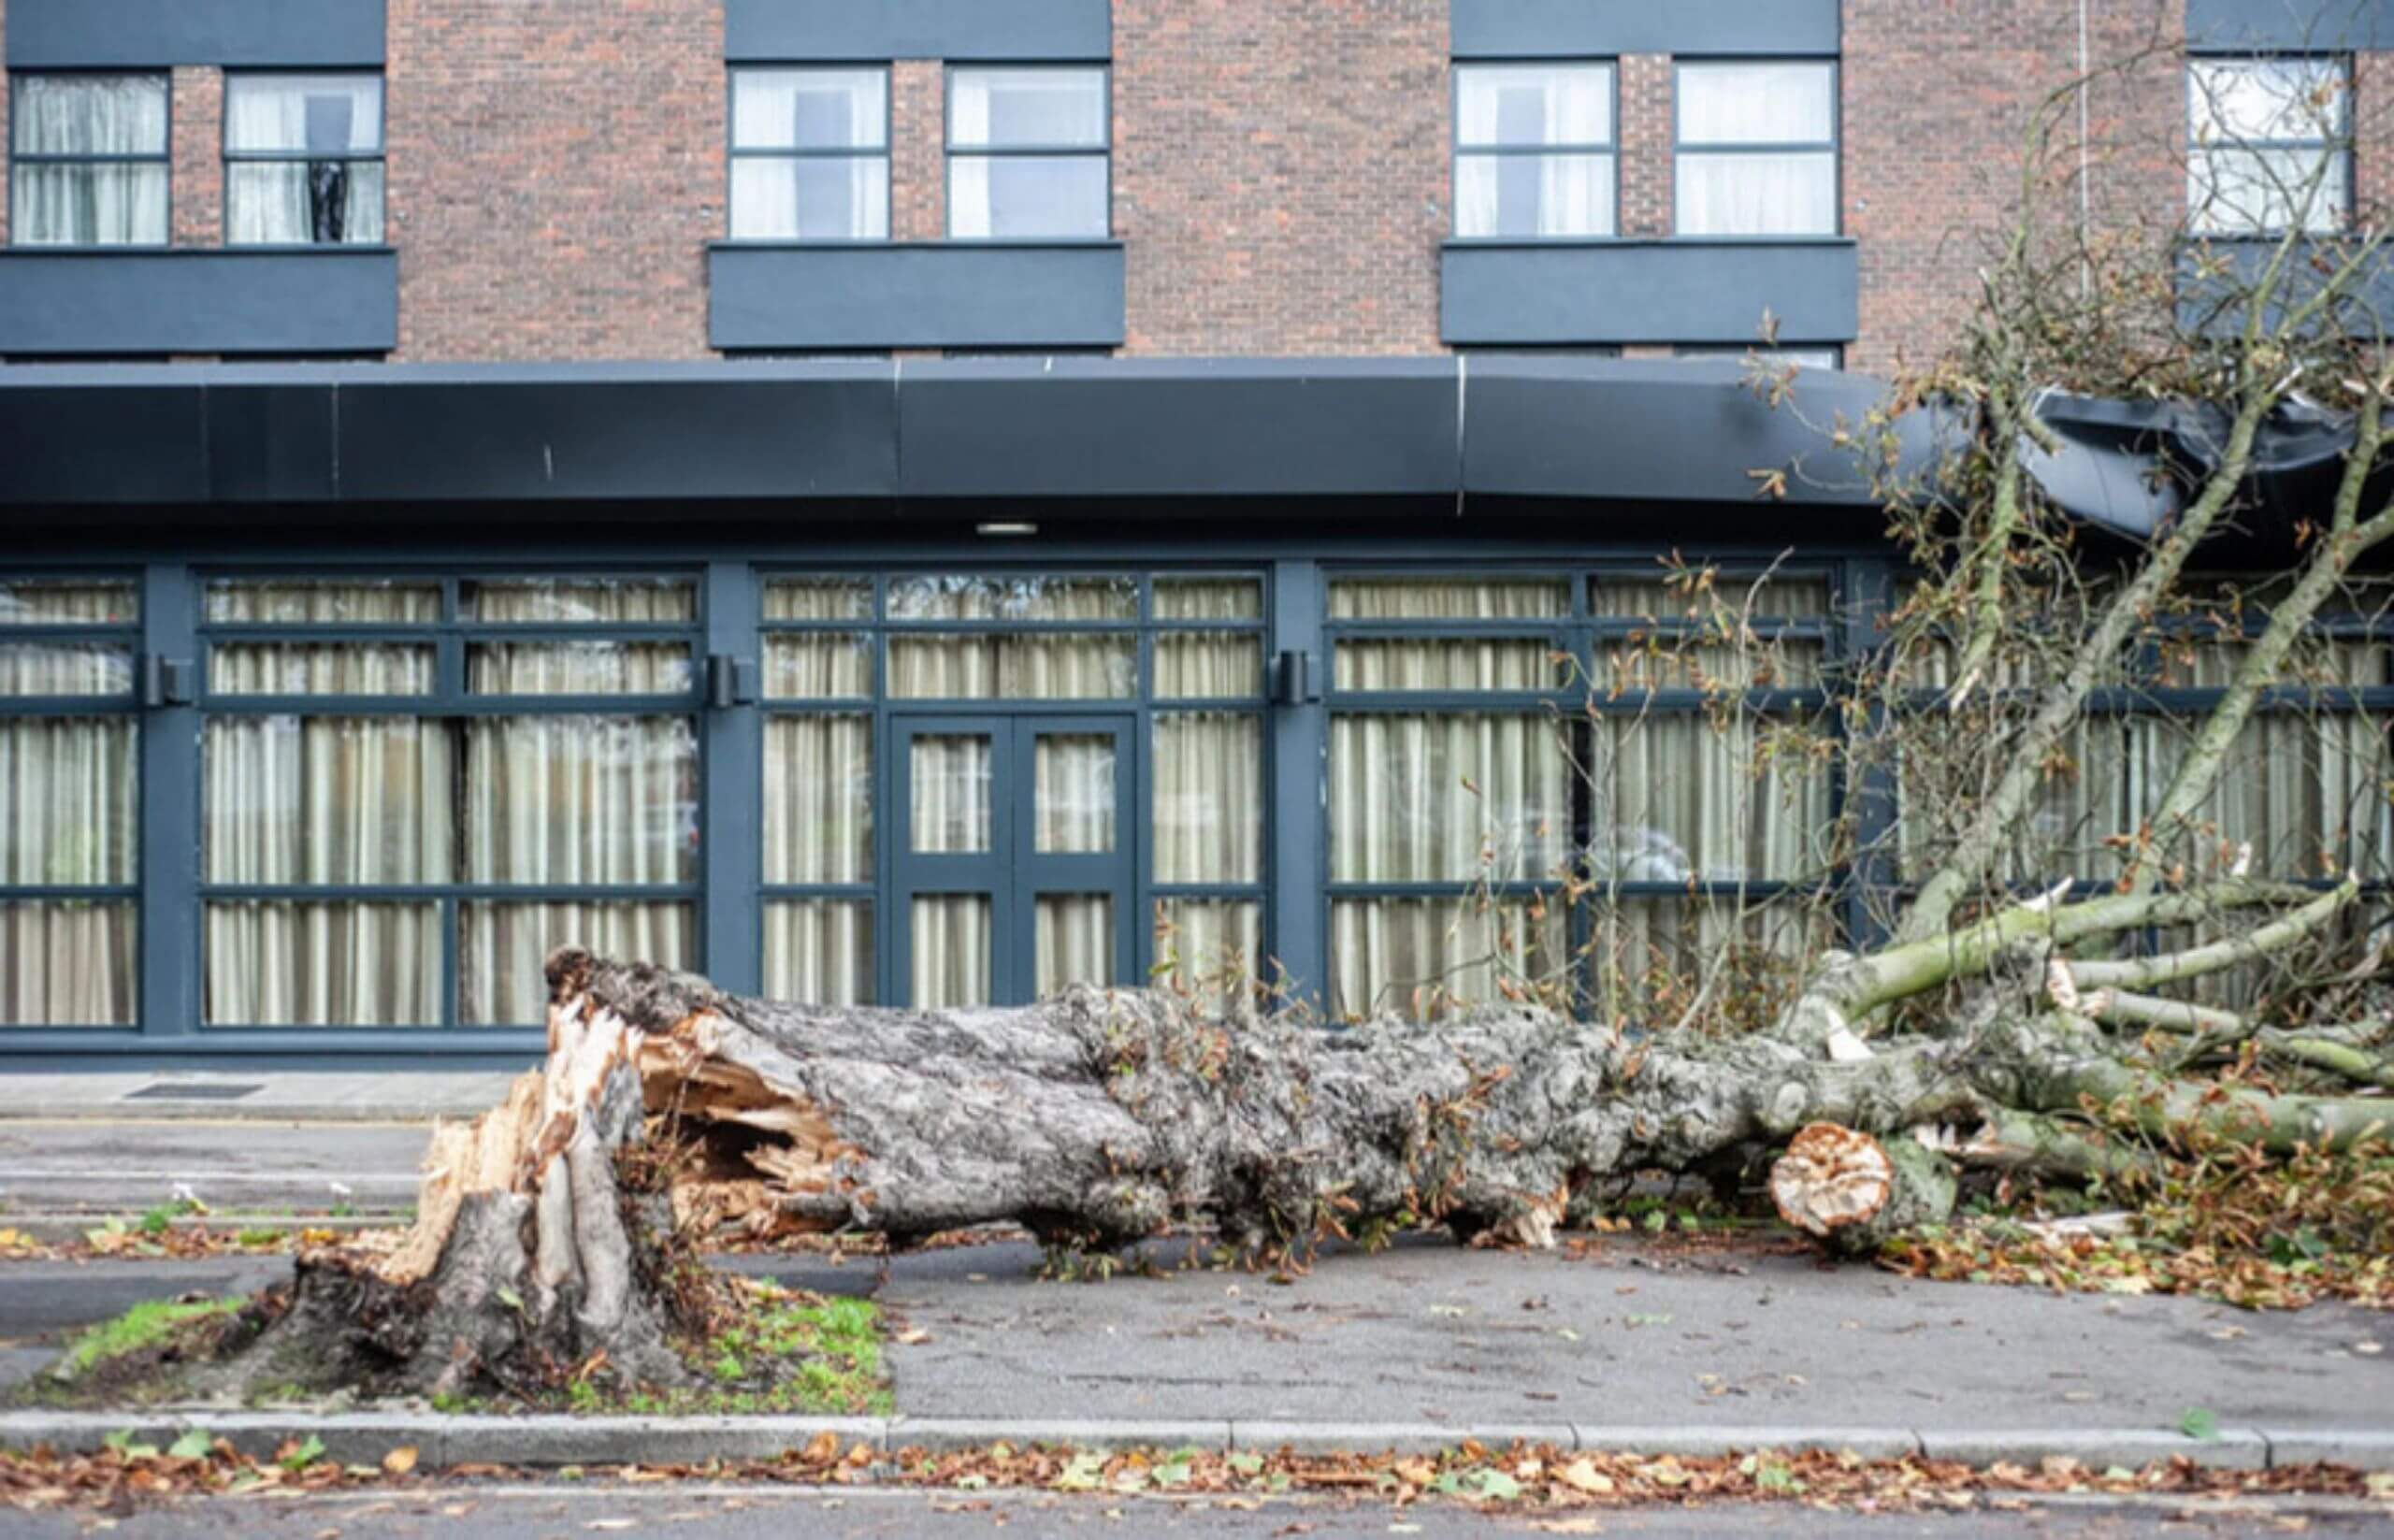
1143, 705
451, 636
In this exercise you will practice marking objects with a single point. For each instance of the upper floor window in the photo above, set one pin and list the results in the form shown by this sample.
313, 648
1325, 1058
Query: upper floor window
1757, 148
88, 161
1535, 152
810, 155
303, 160
1027, 154
2271, 147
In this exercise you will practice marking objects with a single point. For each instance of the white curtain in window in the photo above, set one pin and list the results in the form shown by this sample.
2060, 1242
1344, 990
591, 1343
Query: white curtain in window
117, 203
506, 946
1527, 105
325, 802
1756, 192
2271, 145
1208, 797
329, 197
952, 787
1210, 948
1050, 667
1424, 958
819, 952
69, 795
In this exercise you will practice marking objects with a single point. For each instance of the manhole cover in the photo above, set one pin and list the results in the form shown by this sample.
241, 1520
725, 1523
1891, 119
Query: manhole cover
191, 1090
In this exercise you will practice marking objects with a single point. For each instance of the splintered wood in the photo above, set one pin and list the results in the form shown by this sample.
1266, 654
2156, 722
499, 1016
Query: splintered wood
1830, 1178
742, 1181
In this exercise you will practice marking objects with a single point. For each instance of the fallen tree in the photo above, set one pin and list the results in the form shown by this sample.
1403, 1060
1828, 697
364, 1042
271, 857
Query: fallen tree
2036, 1034
556, 1233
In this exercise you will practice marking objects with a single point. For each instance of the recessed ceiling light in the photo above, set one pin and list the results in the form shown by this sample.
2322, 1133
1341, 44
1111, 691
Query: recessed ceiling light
1002, 527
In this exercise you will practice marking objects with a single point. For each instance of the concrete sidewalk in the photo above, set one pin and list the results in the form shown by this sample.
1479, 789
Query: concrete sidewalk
392, 1096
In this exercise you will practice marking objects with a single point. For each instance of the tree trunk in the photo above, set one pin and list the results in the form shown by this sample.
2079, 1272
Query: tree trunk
557, 1232
1851, 1192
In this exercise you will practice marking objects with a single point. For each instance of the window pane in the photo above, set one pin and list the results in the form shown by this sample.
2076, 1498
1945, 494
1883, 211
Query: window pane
326, 116
116, 204
1209, 948
1650, 950
1678, 798
338, 800
581, 799
1073, 806
950, 782
1448, 798
1757, 104
344, 601
1665, 602
2081, 797
1027, 197
1208, 797
818, 799
819, 598
504, 949
302, 203
1014, 668
38, 667
816, 197
1424, 958
90, 114
322, 965
319, 668
1793, 195
1498, 663
810, 109
2307, 792
2253, 192
578, 668
594, 602
1072, 940
1041, 109
1532, 105
1209, 598
69, 964
2278, 100
818, 666
819, 954
1432, 598
1026, 598
1208, 665
1526, 195
69, 795
67, 601
951, 951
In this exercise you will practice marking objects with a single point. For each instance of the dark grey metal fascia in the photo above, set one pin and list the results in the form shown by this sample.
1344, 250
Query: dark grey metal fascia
2289, 26
1565, 29
837, 433
823, 31
916, 295
1682, 289
62, 301
149, 34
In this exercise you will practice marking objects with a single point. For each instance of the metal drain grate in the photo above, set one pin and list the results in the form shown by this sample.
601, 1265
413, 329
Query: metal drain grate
191, 1090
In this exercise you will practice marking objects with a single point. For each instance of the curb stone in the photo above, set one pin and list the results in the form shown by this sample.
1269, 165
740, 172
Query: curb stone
2233, 1448
440, 1439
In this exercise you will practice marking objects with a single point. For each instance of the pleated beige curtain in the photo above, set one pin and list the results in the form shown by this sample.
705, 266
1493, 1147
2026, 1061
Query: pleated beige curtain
819, 796
68, 794
574, 800
338, 801
951, 783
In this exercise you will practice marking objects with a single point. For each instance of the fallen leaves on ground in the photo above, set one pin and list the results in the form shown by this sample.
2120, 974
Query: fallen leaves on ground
1996, 1251
116, 1241
1525, 1480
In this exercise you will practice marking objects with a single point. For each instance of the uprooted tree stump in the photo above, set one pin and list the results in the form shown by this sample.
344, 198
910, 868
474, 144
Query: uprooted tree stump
555, 1234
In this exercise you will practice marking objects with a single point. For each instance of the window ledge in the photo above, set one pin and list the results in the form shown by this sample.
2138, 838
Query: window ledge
1648, 290
114, 300
921, 294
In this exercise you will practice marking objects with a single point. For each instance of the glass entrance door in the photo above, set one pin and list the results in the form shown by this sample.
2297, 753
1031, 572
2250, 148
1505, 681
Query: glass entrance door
1012, 872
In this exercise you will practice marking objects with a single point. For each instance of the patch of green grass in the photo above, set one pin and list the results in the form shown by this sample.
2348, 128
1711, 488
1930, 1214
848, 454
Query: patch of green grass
786, 1353
146, 1325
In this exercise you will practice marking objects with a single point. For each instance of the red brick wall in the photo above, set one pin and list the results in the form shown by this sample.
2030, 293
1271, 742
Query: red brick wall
1648, 177
917, 150
556, 170
1280, 174
1935, 99
197, 115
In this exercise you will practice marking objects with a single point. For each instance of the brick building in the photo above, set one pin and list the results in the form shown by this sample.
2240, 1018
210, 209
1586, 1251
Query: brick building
931, 501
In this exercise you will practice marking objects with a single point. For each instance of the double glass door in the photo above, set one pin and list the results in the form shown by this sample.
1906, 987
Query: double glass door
1014, 864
